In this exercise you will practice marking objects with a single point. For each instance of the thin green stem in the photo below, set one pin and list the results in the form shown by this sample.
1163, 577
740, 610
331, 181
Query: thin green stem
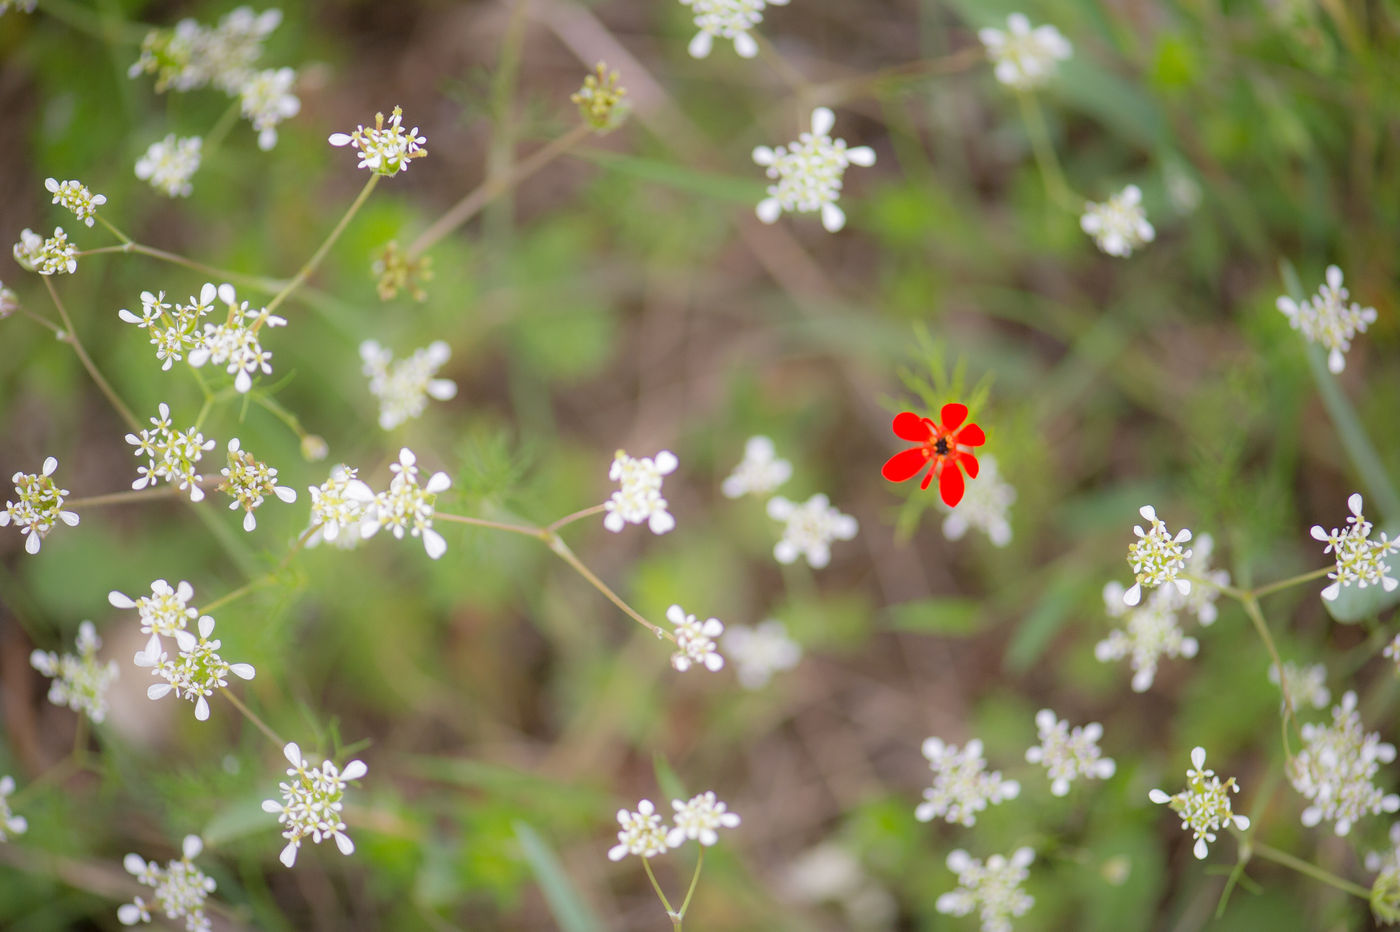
791, 76
558, 546
1291, 581
251, 716
135, 496
113, 230
1270, 853
40, 319
1251, 608
71, 337
1044, 150
250, 281
527, 530
694, 880
215, 136
576, 516
671, 913
250, 586
310, 266
1231, 591
80, 17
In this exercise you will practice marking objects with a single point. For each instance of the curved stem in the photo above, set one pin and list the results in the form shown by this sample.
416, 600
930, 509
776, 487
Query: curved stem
1291, 581
558, 546
126, 240
1049, 163
576, 516
1251, 608
251, 716
494, 525
135, 496
1270, 853
694, 879
238, 278
675, 919
315, 260
71, 337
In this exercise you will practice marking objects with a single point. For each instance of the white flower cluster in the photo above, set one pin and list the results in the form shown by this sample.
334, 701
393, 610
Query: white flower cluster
197, 670
1024, 58
697, 819
727, 19
180, 888
169, 164
695, 641
1204, 806
312, 803
1306, 685
811, 527
80, 681
338, 508
992, 889
808, 173
639, 498
247, 480
1118, 225
384, 151
1335, 768
39, 505
10, 824
962, 785
759, 472
1329, 319
75, 196
1360, 560
1156, 557
403, 388
170, 454
52, 256
407, 506
9, 301
984, 505
1068, 754
165, 612
175, 331
234, 343
761, 651
267, 99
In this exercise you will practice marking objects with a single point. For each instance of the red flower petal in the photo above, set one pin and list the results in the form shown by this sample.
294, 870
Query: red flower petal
953, 415
904, 465
950, 485
909, 426
969, 462
971, 436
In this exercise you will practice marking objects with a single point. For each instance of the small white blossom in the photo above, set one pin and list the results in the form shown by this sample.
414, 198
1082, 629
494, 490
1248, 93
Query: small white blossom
1360, 559
173, 329
1068, 754
180, 888
984, 505
339, 505
641, 833
403, 388
1329, 319
962, 785
191, 55
695, 640
1200, 600
760, 652
9, 301
1156, 557
170, 164
79, 681
52, 256
267, 99
1335, 768
1386, 860
993, 890
1150, 631
170, 454
10, 824
75, 196
809, 173
1024, 57
1118, 225
639, 498
760, 471
811, 527
39, 508
1392, 652
406, 506
1204, 806
384, 151
312, 803
727, 19
165, 612
1306, 685
698, 819
247, 480
235, 342
196, 671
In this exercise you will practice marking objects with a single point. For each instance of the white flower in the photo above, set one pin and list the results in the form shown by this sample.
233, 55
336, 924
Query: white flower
39, 508
165, 612
337, 505
10, 824
311, 803
1024, 57
698, 819
1328, 319
403, 388
174, 330
695, 640
9, 301
247, 480
1068, 754
75, 196
52, 256
1360, 559
1335, 767
1392, 652
191, 55
811, 527
760, 652
180, 888
267, 99
962, 786
406, 506
760, 471
1200, 600
639, 499
1150, 632
1119, 225
1204, 806
384, 151
994, 889
79, 682
1306, 685
809, 173
196, 672
984, 505
1386, 860
642, 833
170, 455
170, 164
727, 19
1156, 557
234, 342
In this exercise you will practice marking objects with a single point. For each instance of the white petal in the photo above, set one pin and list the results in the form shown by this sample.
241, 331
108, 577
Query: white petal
769, 210
201, 709
293, 753
1200, 849
337, 139
134, 863
249, 522
343, 842
822, 121
244, 671
286, 494
157, 691
271, 805
191, 847
745, 45
700, 46
1198, 757
434, 544
128, 914
289, 854
764, 155
1336, 362
833, 218
354, 770
440, 482
861, 155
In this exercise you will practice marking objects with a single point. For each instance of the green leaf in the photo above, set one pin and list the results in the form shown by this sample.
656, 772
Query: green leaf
1034, 634
953, 617
565, 903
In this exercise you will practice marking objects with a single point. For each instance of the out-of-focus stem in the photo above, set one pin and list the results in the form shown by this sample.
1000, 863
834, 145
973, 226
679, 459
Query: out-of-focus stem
310, 266
71, 337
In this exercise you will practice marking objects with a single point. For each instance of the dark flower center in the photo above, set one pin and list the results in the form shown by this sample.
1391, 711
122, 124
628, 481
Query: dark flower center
940, 446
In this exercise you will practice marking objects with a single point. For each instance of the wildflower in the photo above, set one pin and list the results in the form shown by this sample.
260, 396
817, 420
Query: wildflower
1385, 890
235, 342
1200, 600
170, 455
1118, 225
1306, 685
1392, 652
1068, 754
599, 101
760, 471
1204, 806
698, 819
1335, 767
79, 682
984, 505
170, 164
9, 822
1024, 57
945, 448
9, 302
695, 640
338, 504
267, 99
639, 498
993, 889
191, 55
311, 803
52, 256
197, 671
1360, 559
403, 389
962, 786
811, 527
180, 888
406, 506
642, 833
727, 19
40, 505
173, 329
1328, 319
1156, 557
165, 612
247, 480
809, 173
384, 151
760, 652
395, 269
1151, 632
75, 196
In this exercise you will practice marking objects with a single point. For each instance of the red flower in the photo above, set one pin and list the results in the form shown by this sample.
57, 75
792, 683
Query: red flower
944, 446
